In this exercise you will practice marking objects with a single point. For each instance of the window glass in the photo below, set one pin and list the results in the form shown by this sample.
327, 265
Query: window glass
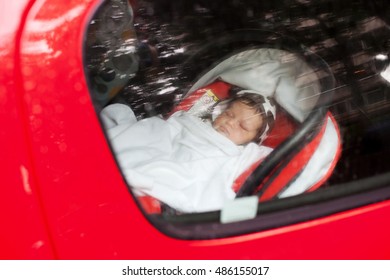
151, 56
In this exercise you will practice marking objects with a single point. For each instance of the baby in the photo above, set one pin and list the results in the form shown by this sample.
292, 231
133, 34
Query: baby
184, 162
246, 118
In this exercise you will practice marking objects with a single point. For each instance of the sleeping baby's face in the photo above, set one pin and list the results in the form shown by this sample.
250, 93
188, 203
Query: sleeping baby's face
239, 122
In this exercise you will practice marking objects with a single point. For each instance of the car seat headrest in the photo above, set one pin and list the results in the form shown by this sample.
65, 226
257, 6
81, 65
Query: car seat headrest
273, 72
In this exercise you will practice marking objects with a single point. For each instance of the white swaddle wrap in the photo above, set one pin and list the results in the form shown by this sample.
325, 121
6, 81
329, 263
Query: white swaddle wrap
181, 161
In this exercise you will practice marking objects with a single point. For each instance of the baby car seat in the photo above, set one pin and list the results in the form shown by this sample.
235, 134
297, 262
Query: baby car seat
306, 140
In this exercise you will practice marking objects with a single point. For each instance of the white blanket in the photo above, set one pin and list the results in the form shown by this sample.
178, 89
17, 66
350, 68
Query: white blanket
181, 161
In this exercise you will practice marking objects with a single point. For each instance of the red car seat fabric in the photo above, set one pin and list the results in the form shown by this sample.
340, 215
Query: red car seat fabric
322, 162
149, 204
201, 101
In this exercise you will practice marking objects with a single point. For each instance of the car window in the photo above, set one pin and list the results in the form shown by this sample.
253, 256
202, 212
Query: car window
151, 55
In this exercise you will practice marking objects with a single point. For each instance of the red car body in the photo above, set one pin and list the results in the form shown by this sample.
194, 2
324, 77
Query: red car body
62, 195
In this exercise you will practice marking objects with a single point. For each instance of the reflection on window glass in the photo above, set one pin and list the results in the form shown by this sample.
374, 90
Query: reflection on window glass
111, 57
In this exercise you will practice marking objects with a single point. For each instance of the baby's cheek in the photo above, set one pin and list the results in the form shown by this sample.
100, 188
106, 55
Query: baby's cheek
250, 136
216, 122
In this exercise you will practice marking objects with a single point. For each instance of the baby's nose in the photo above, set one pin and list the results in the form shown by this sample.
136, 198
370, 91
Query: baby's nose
232, 122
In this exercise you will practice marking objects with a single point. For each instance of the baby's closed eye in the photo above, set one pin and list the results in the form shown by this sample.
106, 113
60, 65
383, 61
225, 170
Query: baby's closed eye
245, 127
